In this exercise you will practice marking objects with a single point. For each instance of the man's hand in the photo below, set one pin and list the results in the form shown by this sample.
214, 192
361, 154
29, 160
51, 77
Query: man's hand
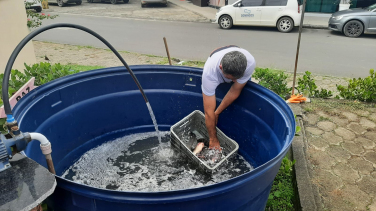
214, 144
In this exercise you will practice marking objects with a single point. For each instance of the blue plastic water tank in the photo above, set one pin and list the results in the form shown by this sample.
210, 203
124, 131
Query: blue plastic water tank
81, 111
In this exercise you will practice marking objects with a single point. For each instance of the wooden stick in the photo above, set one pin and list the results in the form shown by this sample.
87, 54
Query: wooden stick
298, 47
168, 53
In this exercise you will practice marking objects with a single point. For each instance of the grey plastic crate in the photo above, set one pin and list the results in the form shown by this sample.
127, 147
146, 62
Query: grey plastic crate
195, 122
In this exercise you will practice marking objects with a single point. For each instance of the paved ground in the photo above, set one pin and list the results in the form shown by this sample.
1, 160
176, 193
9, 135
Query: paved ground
177, 10
130, 10
341, 153
322, 52
71, 54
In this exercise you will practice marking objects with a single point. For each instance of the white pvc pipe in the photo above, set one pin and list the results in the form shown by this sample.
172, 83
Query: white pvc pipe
39, 137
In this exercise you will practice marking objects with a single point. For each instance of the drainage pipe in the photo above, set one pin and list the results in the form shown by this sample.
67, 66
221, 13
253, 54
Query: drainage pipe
45, 146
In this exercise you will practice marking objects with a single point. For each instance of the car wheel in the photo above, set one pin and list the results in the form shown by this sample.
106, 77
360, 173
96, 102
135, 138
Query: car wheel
225, 22
60, 3
353, 28
113, 1
38, 9
125, 1
78, 2
285, 24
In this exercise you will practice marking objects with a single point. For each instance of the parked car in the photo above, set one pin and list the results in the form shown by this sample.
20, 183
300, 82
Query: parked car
145, 2
61, 3
354, 22
33, 4
112, 1
283, 14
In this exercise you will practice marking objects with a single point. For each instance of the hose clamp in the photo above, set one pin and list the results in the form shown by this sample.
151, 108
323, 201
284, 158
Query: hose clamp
46, 149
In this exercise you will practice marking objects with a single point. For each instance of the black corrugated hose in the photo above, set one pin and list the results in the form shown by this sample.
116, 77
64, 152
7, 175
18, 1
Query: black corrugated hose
19, 47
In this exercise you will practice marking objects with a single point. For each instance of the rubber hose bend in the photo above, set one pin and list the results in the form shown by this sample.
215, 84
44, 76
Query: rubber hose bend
32, 34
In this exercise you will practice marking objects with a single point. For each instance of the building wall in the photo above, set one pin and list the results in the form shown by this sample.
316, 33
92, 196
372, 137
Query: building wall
13, 29
217, 3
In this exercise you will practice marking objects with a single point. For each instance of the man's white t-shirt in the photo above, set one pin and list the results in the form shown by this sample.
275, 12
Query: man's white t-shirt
212, 76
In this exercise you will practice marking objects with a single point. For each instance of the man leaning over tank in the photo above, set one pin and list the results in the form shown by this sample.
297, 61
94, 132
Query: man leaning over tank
224, 65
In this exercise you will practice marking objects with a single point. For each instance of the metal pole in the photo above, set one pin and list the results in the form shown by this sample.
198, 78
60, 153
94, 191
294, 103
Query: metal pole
168, 53
298, 47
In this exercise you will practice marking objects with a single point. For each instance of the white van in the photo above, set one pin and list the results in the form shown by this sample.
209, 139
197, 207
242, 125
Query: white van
283, 14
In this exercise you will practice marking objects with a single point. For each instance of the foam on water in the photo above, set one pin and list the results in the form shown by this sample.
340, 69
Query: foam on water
138, 163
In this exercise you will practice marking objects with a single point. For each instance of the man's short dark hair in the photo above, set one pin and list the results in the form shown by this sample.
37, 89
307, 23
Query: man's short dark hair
234, 63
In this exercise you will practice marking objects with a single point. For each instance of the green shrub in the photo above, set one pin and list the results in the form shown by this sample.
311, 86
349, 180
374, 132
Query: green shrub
307, 84
362, 89
43, 73
282, 194
323, 93
273, 80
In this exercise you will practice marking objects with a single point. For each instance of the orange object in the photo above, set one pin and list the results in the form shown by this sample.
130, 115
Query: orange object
297, 99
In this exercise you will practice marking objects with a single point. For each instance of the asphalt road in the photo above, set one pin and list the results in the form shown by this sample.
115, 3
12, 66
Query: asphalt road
322, 51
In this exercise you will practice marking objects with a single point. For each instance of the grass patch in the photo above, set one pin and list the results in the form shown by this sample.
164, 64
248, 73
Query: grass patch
194, 63
323, 118
163, 61
82, 67
79, 47
282, 195
109, 50
152, 56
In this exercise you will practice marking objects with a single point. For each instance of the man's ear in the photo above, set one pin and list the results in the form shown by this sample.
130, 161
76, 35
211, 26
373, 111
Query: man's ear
220, 66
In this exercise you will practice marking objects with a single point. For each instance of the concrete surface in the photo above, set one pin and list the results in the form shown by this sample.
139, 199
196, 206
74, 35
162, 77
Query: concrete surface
336, 158
132, 10
177, 10
321, 52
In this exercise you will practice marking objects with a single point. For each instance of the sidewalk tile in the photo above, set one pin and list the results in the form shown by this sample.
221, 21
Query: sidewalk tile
346, 173
367, 184
364, 167
332, 138
345, 134
367, 123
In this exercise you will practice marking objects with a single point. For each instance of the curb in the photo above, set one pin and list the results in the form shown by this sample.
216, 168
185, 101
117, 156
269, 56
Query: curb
207, 20
47, 10
308, 193
314, 26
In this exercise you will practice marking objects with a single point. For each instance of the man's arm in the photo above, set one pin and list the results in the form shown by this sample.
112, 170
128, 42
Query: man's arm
209, 107
231, 95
